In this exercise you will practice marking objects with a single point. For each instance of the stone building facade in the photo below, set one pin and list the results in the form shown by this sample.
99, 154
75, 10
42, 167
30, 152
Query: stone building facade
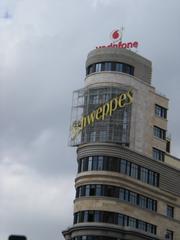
127, 185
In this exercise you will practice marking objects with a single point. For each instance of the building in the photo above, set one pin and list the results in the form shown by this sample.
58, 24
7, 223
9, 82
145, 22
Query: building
127, 185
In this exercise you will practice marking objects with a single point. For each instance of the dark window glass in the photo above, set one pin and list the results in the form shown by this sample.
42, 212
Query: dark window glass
99, 163
132, 222
134, 170
90, 216
92, 191
141, 225
160, 111
159, 132
84, 164
117, 192
123, 166
120, 220
169, 235
113, 218
93, 238
110, 66
126, 195
142, 201
133, 197
85, 216
144, 175
158, 154
122, 194
98, 190
170, 211
119, 67
95, 163
87, 190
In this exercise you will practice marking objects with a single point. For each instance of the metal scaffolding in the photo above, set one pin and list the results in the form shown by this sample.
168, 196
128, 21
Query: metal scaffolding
113, 128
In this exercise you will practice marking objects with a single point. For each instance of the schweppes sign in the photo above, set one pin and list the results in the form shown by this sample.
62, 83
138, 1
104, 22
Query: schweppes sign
102, 112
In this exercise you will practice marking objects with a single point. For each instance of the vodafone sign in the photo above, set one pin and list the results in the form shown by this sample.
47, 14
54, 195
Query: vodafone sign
116, 38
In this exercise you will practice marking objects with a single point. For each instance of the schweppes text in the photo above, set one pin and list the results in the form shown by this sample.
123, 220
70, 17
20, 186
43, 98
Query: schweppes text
102, 112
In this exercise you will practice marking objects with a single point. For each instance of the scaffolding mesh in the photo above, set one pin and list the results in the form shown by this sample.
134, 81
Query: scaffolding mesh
113, 129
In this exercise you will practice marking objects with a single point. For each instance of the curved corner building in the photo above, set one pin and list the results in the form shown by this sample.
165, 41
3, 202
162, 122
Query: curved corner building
127, 185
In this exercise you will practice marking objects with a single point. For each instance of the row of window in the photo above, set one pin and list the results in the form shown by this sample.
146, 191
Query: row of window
113, 218
168, 236
106, 163
110, 66
89, 237
116, 192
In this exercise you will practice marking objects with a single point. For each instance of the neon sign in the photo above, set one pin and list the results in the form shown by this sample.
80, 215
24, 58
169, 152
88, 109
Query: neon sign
101, 112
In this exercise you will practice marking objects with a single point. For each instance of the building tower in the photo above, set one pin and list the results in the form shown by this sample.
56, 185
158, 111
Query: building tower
127, 185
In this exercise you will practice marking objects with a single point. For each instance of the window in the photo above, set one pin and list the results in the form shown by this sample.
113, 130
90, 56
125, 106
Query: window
159, 132
106, 163
92, 191
158, 154
117, 192
87, 190
98, 67
119, 67
132, 222
170, 211
142, 201
92, 136
132, 197
93, 99
102, 136
160, 111
144, 175
90, 164
142, 225
123, 166
116, 218
169, 235
110, 66
134, 170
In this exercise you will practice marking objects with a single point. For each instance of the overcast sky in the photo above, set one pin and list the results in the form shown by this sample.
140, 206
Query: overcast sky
43, 48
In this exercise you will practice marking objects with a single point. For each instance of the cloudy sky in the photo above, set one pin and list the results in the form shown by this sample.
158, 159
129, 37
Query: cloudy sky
43, 48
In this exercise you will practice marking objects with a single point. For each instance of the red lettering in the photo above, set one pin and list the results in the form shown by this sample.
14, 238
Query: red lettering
121, 45
114, 45
129, 45
109, 45
135, 44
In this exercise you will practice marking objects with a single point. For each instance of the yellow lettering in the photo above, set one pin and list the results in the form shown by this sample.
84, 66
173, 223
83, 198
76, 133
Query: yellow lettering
99, 113
130, 96
91, 118
122, 100
113, 105
105, 110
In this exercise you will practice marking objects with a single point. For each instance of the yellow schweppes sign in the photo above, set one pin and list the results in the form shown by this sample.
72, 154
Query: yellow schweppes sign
101, 112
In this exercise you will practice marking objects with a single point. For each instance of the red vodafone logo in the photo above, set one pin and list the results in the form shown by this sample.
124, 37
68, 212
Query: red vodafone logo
116, 35
116, 38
